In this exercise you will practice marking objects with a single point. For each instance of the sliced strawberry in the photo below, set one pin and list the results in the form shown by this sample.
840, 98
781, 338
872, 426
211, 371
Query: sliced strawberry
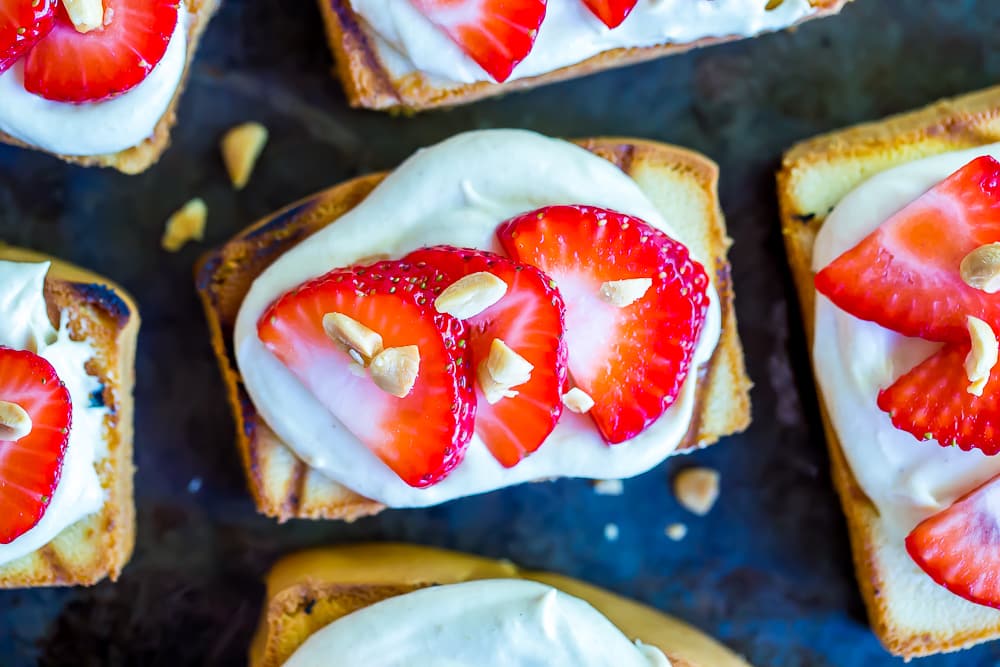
497, 34
22, 24
30, 466
529, 319
611, 12
932, 401
69, 66
959, 547
631, 360
905, 275
422, 436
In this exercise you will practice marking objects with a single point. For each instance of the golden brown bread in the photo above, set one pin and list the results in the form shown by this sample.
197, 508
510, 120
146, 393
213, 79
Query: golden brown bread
370, 85
682, 185
311, 589
99, 545
139, 158
815, 175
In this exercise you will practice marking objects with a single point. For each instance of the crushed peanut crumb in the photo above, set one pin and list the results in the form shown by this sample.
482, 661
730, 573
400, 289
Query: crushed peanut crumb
187, 224
241, 146
697, 489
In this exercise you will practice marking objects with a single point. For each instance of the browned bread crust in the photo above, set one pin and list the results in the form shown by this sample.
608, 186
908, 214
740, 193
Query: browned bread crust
682, 184
815, 175
142, 156
370, 85
99, 545
311, 589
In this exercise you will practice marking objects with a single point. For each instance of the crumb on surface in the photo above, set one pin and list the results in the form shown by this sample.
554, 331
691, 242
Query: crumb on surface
676, 531
609, 487
241, 146
697, 489
611, 532
187, 224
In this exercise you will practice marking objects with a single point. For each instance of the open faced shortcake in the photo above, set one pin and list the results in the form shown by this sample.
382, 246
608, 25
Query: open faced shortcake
893, 231
389, 605
96, 82
419, 54
502, 308
67, 356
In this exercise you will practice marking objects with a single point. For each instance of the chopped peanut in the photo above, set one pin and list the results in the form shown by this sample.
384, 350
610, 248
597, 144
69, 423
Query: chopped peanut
578, 401
15, 422
86, 15
353, 336
395, 369
982, 355
624, 293
981, 268
185, 225
241, 146
697, 489
471, 295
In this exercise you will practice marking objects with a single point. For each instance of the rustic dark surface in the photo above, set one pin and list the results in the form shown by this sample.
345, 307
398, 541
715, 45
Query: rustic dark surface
768, 571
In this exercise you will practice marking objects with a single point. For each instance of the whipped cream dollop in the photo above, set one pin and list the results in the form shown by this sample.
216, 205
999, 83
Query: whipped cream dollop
907, 480
406, 41
26, 326
94, 128
456, 193
490, 623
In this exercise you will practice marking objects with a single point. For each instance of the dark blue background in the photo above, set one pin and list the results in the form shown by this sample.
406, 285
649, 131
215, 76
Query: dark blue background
768, 571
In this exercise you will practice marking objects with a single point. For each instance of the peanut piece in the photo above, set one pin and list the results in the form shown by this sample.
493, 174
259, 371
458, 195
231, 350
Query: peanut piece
15, 422
697, 489
471, 295
981, 268
578, 401
395, 370
187, 224
352, 336
241, 146
982, 355
507, 366
86, 15
624, 293
492, 390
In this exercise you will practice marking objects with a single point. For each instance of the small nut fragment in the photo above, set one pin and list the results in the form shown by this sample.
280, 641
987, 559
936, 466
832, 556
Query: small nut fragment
187, 224
981, 268
395, 369
492, 390
982, 355
507, 366
241, 146
15, 422
86, 15
623, 293
471, 295
676, 531
609, 487
352, 336
697, 489
578, 401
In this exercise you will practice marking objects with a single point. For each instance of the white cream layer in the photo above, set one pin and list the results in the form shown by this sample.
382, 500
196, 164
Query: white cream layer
908, 480
456, 193
26, 326
99, 127
491, 623
407, 42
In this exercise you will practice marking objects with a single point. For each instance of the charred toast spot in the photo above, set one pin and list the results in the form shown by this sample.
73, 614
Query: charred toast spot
280, 221
804, 217
106, 299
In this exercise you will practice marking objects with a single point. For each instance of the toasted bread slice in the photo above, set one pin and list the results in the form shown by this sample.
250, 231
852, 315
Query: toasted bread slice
97, 546
142, 156
370, 85
311, 589
681, 184
911, 614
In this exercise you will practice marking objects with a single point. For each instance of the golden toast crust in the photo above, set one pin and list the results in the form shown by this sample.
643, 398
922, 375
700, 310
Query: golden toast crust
368, 84
861, 152
140, 157
286, 488
311, 589
99, 545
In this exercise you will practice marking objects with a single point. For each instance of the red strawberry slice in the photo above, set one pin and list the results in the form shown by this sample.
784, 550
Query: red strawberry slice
959, 547
631, 360
497, 34
421, 436
529, 319
905, 275
932, 401
611, 12
30, 466
22, 24
68, 66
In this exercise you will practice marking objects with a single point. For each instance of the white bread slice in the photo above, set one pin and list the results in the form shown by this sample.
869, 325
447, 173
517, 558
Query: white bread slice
681, 184
370, 85
140, 157
309, 590
911, 614
97, 546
